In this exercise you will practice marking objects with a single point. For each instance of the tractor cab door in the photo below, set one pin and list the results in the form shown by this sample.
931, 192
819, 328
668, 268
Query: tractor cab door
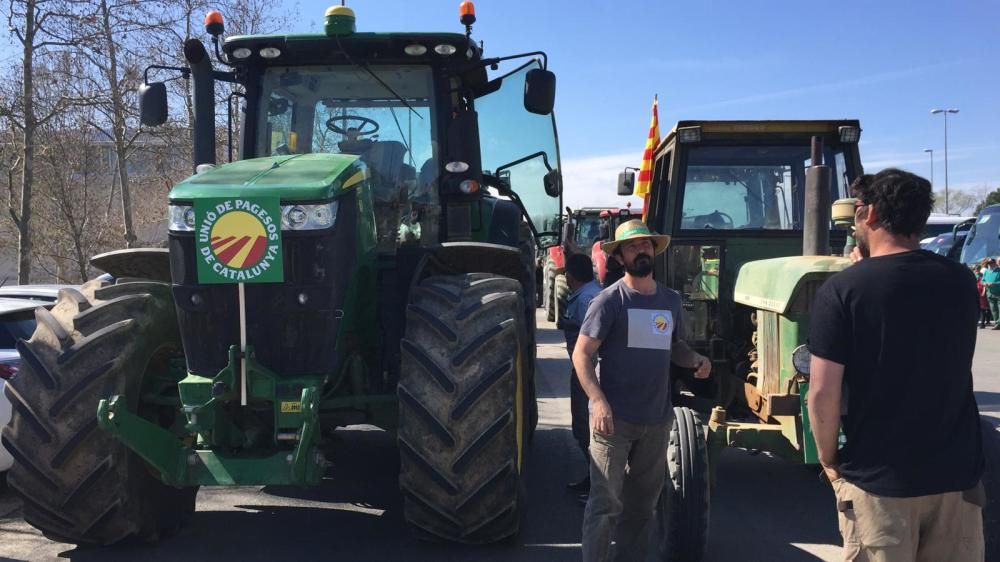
522, 149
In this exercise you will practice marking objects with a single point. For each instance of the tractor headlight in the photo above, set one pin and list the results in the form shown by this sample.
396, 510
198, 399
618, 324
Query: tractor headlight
181, 218
308, 217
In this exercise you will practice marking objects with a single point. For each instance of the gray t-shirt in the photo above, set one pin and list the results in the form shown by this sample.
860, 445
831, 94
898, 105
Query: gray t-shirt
637, 333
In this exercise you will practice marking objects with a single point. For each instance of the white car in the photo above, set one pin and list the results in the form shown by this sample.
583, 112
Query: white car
17, 321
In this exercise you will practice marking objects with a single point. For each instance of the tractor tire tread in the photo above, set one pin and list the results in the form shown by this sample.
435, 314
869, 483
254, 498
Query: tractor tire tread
464, 488
79, 484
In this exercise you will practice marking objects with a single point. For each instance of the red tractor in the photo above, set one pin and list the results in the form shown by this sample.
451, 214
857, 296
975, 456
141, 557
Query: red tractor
583, 228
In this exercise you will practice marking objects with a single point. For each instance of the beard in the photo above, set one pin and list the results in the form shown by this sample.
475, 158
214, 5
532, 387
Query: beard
641, 266
862, 241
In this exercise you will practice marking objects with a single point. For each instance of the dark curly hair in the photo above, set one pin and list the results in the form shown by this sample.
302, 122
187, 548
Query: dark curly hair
902, 200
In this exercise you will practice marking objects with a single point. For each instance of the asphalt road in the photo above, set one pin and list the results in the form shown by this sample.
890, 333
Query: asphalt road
762, 509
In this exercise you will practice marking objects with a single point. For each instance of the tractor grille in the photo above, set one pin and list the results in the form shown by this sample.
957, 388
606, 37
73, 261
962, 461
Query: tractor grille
768, 347
293, 325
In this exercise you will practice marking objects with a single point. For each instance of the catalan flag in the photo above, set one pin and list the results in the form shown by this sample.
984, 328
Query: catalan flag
646, 169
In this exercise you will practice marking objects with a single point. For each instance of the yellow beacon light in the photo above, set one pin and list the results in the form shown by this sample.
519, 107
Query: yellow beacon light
214, 23
467, 15
339, 21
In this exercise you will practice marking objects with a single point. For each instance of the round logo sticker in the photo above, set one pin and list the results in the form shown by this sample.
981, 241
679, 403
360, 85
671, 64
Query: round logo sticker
661, 323
239, 240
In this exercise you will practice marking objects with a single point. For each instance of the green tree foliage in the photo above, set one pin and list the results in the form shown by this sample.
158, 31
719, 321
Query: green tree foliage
992, 198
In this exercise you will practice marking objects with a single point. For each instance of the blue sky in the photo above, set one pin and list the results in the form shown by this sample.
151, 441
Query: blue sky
886, 63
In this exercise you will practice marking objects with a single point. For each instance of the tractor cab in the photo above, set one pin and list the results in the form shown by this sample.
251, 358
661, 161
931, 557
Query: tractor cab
728, 193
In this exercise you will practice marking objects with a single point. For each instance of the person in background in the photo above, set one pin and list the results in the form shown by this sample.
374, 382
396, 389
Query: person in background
895, 500
580, 278
991, 281
984, 303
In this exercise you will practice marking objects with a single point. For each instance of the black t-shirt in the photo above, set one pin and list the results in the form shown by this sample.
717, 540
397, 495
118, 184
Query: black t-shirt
904, 327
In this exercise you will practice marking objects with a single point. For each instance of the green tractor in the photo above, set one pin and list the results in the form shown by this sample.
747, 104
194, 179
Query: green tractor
366, 260
747, 204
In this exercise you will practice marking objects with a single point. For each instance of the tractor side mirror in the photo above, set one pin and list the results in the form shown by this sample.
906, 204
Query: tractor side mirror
539, 91
553, 183
153, 104
463, 145
626, 182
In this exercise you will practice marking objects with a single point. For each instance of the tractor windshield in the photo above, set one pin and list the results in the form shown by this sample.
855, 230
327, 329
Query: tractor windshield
588, 230
757, 187
347, 110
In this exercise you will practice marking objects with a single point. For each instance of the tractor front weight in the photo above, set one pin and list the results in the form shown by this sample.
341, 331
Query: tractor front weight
223, 443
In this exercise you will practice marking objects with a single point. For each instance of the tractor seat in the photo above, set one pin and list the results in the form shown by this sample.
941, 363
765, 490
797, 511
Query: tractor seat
390, 179
385, 160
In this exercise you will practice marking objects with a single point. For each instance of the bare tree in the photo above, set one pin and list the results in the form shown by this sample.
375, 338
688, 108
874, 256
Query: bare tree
74, 173
40, 26
117, 34
959, 202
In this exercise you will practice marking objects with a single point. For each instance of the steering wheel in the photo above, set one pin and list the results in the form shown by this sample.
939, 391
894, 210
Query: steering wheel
723, 218
331, 124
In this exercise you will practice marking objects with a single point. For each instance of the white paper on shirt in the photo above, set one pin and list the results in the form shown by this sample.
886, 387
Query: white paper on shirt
650, 329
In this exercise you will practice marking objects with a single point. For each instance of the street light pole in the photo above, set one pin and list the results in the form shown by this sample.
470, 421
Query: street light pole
931, 152
945, 112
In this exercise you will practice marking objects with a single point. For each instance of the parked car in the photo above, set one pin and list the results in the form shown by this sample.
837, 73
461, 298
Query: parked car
46, 293
948, 244
939, 223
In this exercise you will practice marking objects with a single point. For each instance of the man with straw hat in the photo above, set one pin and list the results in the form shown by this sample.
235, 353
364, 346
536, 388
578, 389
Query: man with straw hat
635, 328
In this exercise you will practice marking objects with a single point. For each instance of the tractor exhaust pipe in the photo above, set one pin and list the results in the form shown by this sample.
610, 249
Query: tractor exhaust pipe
203, 128
816, 227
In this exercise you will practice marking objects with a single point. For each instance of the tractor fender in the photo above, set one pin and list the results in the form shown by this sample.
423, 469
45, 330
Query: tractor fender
452, 258
142, 263
558, 257
600, 261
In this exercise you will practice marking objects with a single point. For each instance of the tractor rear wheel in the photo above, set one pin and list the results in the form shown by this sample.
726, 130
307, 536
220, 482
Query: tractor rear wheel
78, 483
560, 294
463, 422
548, 290
991, 482
683, 508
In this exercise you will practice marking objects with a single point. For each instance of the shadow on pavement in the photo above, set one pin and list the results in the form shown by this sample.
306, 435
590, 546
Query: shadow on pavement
356, 514
764, 521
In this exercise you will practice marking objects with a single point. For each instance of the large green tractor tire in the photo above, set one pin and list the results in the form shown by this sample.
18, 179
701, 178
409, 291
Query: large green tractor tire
560, 294
991, 481
463, 415
79, 484
683, 508
526, 244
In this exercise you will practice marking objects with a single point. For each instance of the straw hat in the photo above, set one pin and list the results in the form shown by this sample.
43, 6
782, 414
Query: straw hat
635, 229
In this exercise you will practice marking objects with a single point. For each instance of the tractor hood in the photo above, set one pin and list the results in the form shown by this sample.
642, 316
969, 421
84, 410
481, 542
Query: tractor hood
297, 177
773, 284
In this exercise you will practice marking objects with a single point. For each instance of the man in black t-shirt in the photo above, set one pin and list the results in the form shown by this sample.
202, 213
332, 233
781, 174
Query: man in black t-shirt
899, 328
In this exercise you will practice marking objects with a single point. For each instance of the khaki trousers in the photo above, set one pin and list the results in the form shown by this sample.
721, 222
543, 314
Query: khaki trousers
938, 528
621, 502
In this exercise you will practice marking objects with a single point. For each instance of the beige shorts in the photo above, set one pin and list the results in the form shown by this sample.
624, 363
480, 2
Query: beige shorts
937, 528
